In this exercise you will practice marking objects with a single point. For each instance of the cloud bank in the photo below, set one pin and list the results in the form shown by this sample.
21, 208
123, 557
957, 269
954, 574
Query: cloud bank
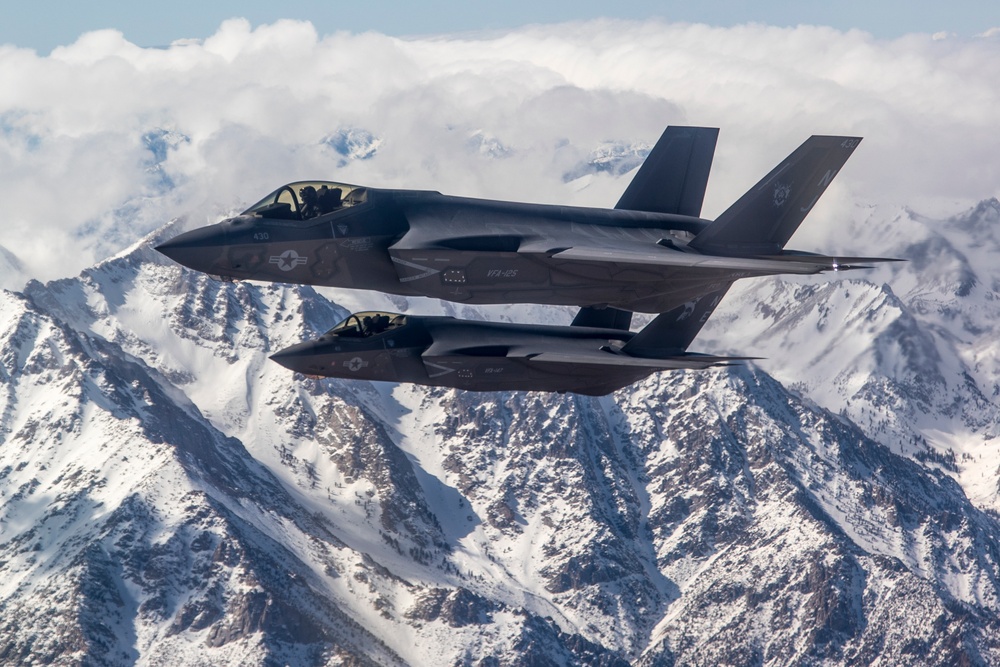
103, 141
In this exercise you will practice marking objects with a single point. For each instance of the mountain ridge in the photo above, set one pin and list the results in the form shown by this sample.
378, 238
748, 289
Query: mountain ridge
167, 494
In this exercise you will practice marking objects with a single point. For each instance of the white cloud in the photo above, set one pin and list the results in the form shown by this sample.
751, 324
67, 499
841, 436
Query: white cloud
78, 180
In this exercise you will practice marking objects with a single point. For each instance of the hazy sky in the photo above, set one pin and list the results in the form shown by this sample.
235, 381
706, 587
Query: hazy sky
44, 24
103, 139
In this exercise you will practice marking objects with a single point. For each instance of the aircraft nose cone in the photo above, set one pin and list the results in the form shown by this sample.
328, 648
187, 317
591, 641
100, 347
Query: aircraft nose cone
198, 249
172, 250
296, 357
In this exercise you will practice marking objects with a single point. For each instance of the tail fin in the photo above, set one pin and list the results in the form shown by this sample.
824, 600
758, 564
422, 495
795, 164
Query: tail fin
763, 219
674, 176
603, 318
670, 333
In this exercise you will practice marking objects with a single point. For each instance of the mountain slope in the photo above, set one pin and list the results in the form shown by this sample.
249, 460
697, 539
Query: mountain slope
169, 495
906, 352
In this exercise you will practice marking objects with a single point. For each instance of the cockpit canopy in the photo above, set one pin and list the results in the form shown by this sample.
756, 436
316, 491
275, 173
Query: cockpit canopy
304, 200
367, 323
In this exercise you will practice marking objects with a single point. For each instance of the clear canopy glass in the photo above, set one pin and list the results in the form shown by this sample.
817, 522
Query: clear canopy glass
367, 323
304, 200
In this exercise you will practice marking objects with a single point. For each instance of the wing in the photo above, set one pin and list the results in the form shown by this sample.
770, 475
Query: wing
421, 255
604, 358
652, 254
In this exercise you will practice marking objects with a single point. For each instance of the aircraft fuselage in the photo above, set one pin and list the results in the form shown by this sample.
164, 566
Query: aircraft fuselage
477, 356
466, 250
651, 253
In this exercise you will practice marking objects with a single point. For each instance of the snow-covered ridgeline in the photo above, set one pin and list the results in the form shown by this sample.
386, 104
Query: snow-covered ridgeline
906, 351
169, 494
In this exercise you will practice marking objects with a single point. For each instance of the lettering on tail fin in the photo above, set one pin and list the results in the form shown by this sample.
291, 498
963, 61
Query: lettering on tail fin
708, 310
823, 182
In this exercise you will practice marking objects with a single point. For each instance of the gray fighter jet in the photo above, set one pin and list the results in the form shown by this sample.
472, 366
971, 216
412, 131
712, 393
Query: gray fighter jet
651, 253
489, 356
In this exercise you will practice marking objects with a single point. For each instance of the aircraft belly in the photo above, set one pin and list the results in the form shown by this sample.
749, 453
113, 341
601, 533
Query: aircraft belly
521, 374
510, 277
475, 277
570, 272
452, 273
464, 371
408, 365
590, 379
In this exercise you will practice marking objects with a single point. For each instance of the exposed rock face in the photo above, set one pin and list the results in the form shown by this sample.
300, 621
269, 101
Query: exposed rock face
168, 496
458, 607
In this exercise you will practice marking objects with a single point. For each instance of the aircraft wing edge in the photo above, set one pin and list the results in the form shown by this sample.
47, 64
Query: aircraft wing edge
686, 260
791, 263
680, 362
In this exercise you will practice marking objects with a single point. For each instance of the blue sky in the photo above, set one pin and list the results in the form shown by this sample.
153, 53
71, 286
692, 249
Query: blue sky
45, 24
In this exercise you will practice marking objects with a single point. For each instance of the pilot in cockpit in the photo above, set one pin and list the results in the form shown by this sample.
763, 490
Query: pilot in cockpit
310, 202
379, 324
374, 324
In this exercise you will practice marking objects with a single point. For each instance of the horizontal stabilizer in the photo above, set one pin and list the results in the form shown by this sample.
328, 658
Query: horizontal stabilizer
674, 175
676, 362
829, 262
656, 255
762, 220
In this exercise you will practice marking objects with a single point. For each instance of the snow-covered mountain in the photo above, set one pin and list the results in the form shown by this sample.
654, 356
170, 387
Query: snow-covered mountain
611, 157
169, 496
353, 144
908, 352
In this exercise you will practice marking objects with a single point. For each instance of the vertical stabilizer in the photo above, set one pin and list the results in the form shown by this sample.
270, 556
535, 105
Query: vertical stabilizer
762, 220
603, 318
672, 179
674, 175
670, 333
